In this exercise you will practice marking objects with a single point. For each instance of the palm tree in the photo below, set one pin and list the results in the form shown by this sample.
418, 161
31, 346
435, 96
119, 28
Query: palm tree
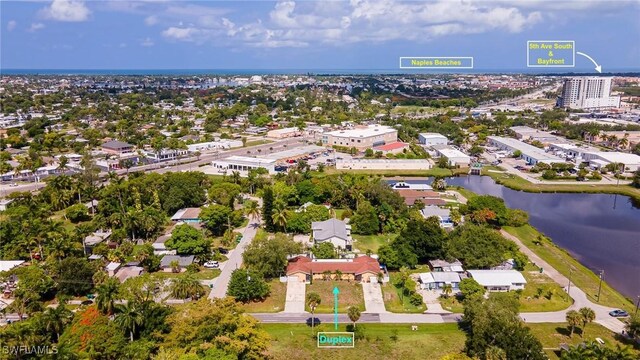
56, 319
354, 314
107, 295
235, 177
186, 286
447, 289
129, 317
280, 216
574, 319
313, 301
588, 315
622, 143
252, 209
63, 161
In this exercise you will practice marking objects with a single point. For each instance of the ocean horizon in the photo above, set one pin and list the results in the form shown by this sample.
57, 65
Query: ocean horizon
227, 72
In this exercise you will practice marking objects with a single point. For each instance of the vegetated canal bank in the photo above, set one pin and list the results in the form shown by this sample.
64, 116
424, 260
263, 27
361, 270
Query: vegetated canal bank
601, 231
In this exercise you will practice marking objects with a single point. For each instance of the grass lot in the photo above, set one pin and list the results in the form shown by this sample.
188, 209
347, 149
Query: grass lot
518, 183
350, 295
290, 341
581, 276
258, 142
395, 302
452, 303
273, 303
530, 301
553, 334
372, 242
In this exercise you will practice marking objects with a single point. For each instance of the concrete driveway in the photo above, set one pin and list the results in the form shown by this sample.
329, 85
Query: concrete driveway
296, 290
373, 301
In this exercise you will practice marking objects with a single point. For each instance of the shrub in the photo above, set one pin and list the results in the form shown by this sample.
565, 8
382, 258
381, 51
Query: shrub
415, 299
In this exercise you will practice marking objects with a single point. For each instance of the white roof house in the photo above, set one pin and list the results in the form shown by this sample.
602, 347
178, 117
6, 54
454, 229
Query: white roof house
498, 280
436, 280
6, 265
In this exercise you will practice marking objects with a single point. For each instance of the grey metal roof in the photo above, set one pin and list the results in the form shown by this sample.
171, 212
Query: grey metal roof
323, 230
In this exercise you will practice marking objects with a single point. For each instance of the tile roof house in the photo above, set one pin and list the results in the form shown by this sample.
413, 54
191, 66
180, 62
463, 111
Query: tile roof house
334, 231
362, 268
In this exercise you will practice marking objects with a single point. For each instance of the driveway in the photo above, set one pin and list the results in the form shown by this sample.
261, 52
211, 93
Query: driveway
294, 302
373, 301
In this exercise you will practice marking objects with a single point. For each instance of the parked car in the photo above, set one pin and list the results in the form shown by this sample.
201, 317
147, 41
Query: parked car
618, 313
212, 265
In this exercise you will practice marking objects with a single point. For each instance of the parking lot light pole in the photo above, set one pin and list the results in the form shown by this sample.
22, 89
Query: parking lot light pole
600, 285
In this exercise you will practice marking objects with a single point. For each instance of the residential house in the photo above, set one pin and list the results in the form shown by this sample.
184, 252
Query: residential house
428, 198
183, 262
129, 270
437, 280
498, 280
159, 247
187, 215
442, 265
362, 268
334, 231
94, 239
112, 268
443, 215
6, 265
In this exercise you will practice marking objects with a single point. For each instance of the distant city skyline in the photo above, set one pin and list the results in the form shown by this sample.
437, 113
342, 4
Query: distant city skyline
359, 34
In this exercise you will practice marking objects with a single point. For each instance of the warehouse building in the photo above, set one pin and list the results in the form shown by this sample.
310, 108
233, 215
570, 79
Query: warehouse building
455, 157
361, 138
430, 139
598, 160
531, 154
244, 163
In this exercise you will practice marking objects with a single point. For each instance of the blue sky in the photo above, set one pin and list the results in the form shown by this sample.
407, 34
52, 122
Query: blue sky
356, 34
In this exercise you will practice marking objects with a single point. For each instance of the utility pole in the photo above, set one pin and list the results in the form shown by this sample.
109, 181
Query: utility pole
637, 305
600, 285
569, 287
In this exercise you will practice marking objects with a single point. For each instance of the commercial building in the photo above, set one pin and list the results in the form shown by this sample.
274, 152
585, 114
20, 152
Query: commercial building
455, 157
383, 164
214, 145
598, 160
165, 154
361, 138
531, 154
498, 280
391, 148
431, 139
244, 163
284, 133
116, 147
588, 92
527, 133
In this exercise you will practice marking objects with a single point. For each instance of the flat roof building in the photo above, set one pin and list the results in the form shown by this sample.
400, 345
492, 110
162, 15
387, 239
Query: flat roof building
531, 154
383, 164
599, 159
431, 139
361, 138
244, 163
455, 157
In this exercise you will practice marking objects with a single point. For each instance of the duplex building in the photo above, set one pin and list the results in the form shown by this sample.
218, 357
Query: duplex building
362, 268
361, 138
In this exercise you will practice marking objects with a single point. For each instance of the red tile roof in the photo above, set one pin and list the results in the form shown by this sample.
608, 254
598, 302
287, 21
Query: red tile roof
357, 266
391, 146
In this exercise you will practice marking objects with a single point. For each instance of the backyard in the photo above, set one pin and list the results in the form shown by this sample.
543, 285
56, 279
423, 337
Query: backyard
372, 242
382, 341
350, 295
542, 294
273, 303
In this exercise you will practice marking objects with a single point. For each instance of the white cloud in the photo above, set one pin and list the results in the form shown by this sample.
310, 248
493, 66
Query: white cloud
11, 25
66, 10
182, 34
147, 42
35, 27
151, 20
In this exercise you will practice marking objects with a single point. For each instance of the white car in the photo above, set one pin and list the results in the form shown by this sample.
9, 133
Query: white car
212, 264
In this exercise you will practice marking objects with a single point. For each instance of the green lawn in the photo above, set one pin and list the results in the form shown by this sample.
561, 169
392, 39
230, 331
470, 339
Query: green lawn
350, 295
204, 274
562, 261
532, 299
452, 303
395, 302
430, 341
518, 183
273, 303
553, 334
258, 142
372, 242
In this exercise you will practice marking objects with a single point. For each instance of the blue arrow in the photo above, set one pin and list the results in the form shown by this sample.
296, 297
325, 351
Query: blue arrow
335, 306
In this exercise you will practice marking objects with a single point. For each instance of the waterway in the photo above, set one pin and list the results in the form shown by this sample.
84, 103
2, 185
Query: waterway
601, 231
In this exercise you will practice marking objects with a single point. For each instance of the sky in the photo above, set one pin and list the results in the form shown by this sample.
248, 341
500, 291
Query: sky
355, 34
